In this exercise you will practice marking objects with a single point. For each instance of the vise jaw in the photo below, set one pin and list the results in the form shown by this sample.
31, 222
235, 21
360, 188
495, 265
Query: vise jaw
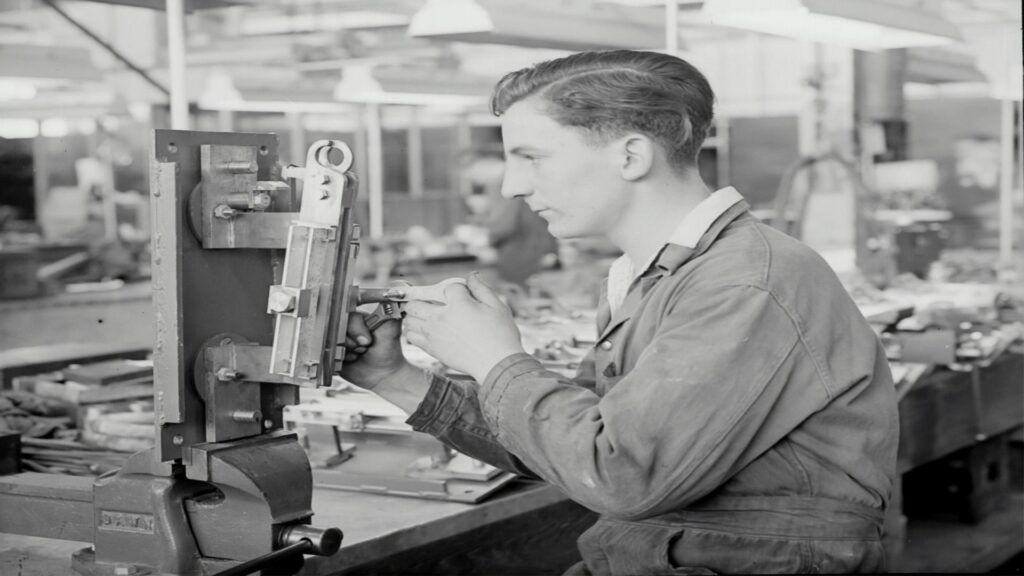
233, 501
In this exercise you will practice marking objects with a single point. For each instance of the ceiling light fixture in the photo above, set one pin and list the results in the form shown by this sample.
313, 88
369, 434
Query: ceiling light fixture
537, 25
864, 24
359, 85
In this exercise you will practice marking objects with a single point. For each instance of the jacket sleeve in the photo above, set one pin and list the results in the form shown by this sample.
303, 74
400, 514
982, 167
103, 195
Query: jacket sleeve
701, 402
451, 412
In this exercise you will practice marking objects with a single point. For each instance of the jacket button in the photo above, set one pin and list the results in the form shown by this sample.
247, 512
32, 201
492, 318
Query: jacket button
606, 345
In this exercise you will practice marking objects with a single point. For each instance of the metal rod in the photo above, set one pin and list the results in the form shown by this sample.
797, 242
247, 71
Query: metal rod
1006, 170
176, 61
250, 566
375, 152
113, 51
672, 27
414, 155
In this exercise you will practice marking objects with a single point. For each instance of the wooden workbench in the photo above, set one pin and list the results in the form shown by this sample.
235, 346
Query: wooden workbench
526, 528
531, 529
121, 317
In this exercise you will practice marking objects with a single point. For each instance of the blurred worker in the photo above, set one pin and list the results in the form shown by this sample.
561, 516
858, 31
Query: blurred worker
737, 413
520, 238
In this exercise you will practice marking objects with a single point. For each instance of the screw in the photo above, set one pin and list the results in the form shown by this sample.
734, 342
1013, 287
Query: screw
281, 302
268, 423
324, 179
177, 440
325, 193
224, 212
261, 201
227, 374
239, 167
246, 415
312, 369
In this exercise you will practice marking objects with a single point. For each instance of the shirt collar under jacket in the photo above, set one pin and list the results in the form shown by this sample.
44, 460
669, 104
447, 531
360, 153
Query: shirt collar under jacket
689, 232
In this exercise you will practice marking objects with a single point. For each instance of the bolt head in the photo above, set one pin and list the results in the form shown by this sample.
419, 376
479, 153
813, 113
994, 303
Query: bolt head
224, 212
281, 302
325, 193
226, 374
268, 423
323, 179
177, 440
261, 201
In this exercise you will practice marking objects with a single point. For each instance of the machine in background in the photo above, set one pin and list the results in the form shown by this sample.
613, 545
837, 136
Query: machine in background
251, 298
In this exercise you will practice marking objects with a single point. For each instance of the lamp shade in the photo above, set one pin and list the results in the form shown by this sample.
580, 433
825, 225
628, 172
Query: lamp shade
538, 25
861, 24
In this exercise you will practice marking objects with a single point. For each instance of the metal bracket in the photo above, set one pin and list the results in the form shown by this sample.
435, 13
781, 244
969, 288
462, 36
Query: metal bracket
311, 301
230, 208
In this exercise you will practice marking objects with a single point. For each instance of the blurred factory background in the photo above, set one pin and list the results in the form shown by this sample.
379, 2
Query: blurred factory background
886, 134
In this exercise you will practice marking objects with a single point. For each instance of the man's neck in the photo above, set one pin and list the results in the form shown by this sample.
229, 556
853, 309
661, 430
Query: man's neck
659, 205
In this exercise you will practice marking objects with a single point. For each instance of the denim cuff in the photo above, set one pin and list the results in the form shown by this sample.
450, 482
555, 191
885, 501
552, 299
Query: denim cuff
437, 408
498, 380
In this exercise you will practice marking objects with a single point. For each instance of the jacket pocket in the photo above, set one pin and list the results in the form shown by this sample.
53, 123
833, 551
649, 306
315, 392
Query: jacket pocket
739, 554
619, 547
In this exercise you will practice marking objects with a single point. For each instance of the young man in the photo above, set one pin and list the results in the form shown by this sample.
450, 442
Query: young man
737, 413
521, 241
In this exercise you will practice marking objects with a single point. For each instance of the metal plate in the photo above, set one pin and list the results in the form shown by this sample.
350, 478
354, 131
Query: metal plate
198, 293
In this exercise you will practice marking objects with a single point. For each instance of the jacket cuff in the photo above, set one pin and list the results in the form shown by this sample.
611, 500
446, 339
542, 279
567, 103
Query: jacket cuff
438, 407
498, 380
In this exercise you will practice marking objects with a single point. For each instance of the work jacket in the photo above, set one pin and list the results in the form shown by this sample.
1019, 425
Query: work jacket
737, 414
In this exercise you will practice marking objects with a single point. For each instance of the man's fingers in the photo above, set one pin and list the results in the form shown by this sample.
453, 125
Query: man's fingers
415, 338
455, 292
423, 294
482, 292
357, 329
420, 310
432, 293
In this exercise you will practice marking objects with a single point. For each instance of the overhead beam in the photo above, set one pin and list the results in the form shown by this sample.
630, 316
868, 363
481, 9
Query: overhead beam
110, 49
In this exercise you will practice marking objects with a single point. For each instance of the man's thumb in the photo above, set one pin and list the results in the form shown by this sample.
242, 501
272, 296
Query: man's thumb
481, 291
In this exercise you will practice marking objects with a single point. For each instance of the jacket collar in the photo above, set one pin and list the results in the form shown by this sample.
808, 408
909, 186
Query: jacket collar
671, 258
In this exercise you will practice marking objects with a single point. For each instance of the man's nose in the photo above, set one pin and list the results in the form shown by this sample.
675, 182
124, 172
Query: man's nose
514, 186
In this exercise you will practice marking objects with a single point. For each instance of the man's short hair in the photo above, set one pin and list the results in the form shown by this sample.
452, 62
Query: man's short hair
609, 93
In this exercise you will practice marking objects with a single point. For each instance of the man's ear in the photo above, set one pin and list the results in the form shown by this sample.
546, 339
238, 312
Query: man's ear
637, 153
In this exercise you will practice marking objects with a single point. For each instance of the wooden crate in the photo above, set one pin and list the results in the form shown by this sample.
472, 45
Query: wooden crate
948, 410
967, 485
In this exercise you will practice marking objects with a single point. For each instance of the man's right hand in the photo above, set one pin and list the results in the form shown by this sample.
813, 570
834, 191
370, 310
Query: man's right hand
372, 356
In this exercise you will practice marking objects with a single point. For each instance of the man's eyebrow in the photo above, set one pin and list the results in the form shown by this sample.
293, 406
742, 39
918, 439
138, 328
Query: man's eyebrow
522, 150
